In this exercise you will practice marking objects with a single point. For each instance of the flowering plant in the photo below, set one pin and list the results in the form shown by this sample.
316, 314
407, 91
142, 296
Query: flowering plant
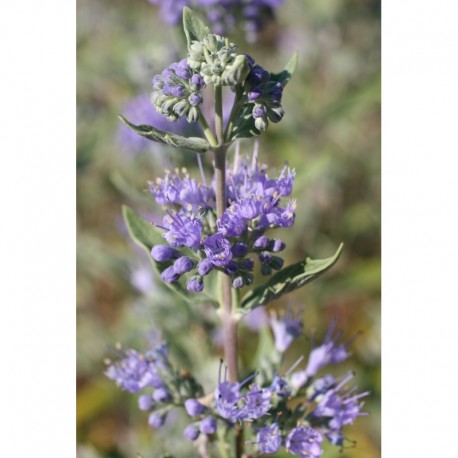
211, 242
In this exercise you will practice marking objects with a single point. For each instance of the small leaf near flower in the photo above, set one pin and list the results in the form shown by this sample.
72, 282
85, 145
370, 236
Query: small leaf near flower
195, 144
287, 73
194, 28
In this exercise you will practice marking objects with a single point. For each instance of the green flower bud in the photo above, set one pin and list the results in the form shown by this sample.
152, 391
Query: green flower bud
237, 72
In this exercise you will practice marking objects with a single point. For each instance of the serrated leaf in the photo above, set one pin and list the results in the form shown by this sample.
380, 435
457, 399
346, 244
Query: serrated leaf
194, 28
287, 73
287, 280
195, 144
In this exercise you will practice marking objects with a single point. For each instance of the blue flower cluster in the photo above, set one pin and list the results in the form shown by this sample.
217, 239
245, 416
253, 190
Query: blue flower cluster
322, 407
199, 242
177, 92
325, 407
224, 15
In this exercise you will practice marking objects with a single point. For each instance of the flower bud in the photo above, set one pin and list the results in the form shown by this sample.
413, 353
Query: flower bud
239, 249
237, 72
204, 267
145, 402
161, 253
183, 265
208, 425
169, 275
156, 419
266, 269
161, 395
277, 245
261, 242
247, 264
231, 268
191, 432
238, 282
195, 284
260, 124
194, 408
276, 262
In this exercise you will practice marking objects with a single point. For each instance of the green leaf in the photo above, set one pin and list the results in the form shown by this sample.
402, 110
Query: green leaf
244, 126
195, 144
194, 28
287, 73
287, 280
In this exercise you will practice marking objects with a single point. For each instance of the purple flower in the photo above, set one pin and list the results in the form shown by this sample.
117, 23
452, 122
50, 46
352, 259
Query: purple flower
340, 409
218, 249
181, 190
256, 403
227, 394
191, 432
268, 439
183, 230
134, 372
285, 331
231, 224
194, 408
234, 406
329, 352
279, 386
208, 425
305, 442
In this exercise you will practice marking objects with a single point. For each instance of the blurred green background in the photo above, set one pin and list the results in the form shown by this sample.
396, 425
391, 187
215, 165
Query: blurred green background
330, 134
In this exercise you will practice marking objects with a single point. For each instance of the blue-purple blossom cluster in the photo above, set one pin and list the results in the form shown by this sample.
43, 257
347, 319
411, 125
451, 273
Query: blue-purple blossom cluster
322, 406
177, 92
161, 388
224, 15
199, 242
325, 406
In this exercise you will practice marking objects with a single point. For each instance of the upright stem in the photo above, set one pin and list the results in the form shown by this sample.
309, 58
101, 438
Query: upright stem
229, 321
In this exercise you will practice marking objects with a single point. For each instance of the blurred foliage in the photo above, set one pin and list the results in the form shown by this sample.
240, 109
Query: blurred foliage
330, 134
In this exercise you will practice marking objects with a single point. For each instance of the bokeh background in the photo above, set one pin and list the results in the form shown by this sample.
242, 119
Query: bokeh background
330, 134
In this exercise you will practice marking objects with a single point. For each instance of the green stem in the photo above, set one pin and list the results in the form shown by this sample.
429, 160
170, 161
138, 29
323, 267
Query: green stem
207, 131
219, 129
234, 112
